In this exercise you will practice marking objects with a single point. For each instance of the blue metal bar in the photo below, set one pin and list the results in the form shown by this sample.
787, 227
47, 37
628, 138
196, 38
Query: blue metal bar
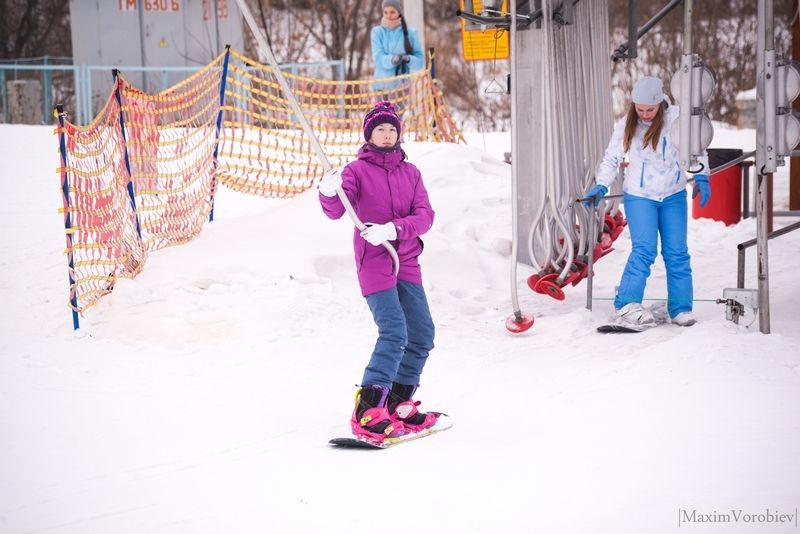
134, 68
340, 89
38, 67
432, 56
47, 84
35, 59
84, 111
88, 100
131, 194
84, 103
47, 91
222, 83
62, 145
4, 93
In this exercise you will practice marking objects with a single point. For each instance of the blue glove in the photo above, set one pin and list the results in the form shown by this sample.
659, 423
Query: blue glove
702, 186
594, 195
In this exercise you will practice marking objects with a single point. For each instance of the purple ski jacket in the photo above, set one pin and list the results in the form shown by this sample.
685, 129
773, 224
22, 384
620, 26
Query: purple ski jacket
383, 187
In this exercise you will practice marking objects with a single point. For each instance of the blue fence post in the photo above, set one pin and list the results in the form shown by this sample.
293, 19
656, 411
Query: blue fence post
84, 81
222, 83
432, 55
47, 91
4, 92
88, 108
62, 146
131, 192
340, 88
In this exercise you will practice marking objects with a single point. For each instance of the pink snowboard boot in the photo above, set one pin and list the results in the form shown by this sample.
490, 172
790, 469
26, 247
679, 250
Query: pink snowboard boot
371, 421
404, 410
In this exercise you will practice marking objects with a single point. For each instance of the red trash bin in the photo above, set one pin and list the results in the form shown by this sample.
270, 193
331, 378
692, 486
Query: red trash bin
725, 203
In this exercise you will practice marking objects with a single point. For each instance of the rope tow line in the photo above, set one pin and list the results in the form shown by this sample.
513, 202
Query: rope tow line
314, 141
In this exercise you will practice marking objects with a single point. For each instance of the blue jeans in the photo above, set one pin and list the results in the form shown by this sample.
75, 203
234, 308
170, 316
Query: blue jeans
405, 335
646, 220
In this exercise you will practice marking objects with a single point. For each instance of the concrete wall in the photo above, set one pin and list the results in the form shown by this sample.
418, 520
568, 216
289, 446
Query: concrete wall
24, 102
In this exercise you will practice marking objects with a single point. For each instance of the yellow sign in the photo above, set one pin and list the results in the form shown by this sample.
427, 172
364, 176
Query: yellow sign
483, 44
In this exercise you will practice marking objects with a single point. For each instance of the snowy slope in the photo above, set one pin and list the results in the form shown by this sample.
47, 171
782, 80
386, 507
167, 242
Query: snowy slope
199, 397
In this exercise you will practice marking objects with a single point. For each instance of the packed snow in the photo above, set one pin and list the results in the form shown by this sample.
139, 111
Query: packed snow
200, 396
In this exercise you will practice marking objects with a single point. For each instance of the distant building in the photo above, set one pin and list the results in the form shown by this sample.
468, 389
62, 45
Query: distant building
152, 33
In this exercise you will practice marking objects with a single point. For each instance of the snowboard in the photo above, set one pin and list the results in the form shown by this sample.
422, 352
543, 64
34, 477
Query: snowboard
443, 423
659, 311
617, 329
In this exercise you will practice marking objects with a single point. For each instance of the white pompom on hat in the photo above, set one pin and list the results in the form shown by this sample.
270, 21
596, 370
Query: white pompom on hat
648, 91
397, 4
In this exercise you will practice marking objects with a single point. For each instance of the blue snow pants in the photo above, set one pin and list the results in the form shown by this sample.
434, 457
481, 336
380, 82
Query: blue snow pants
405, 335
646, 220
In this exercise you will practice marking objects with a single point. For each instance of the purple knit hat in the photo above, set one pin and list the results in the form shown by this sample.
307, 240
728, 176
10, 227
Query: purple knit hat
382, 113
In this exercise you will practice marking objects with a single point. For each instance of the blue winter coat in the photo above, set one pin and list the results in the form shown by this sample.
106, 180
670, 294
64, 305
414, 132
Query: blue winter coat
383, 187
388, 43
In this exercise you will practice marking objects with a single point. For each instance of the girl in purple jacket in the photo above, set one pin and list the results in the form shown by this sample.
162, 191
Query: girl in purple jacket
387, 191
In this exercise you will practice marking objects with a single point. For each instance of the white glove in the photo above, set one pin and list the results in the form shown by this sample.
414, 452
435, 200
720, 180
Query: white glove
330, 183
375, 234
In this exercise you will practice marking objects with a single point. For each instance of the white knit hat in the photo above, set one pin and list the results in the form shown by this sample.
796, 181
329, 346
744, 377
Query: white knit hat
648, 91
397, 4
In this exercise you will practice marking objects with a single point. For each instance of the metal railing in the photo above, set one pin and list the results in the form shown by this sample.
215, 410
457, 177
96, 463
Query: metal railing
90, 93
742, 248
47, 72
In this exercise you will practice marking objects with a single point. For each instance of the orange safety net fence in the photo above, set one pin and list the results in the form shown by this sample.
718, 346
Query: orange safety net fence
100, 223
263, 148
171, 143
143, 174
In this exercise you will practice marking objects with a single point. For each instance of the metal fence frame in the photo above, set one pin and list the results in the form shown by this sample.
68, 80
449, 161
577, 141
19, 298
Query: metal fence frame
82, 73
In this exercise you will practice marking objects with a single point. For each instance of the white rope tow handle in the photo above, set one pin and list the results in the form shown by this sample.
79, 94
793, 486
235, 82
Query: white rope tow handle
287, 91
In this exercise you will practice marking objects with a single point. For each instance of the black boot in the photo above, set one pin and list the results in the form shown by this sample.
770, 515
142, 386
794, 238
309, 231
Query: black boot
372, 397
403, 393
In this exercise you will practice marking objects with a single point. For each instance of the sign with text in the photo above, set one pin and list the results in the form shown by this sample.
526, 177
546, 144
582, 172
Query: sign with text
482, 43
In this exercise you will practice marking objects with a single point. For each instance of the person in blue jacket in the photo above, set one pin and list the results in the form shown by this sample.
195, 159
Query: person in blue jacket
655, 204
395, 47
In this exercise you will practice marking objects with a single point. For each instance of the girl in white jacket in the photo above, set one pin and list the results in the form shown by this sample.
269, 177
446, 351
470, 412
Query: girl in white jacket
655, 204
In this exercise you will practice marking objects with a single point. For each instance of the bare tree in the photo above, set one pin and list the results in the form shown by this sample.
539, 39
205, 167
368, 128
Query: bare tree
723, 35
312, 30
474, 89
334, 29
32, 28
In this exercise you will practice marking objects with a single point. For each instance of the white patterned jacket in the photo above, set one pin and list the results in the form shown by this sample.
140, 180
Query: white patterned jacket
653, 174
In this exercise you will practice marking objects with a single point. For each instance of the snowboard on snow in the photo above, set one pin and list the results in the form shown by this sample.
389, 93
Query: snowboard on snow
617, 329
660, 314
443, 423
